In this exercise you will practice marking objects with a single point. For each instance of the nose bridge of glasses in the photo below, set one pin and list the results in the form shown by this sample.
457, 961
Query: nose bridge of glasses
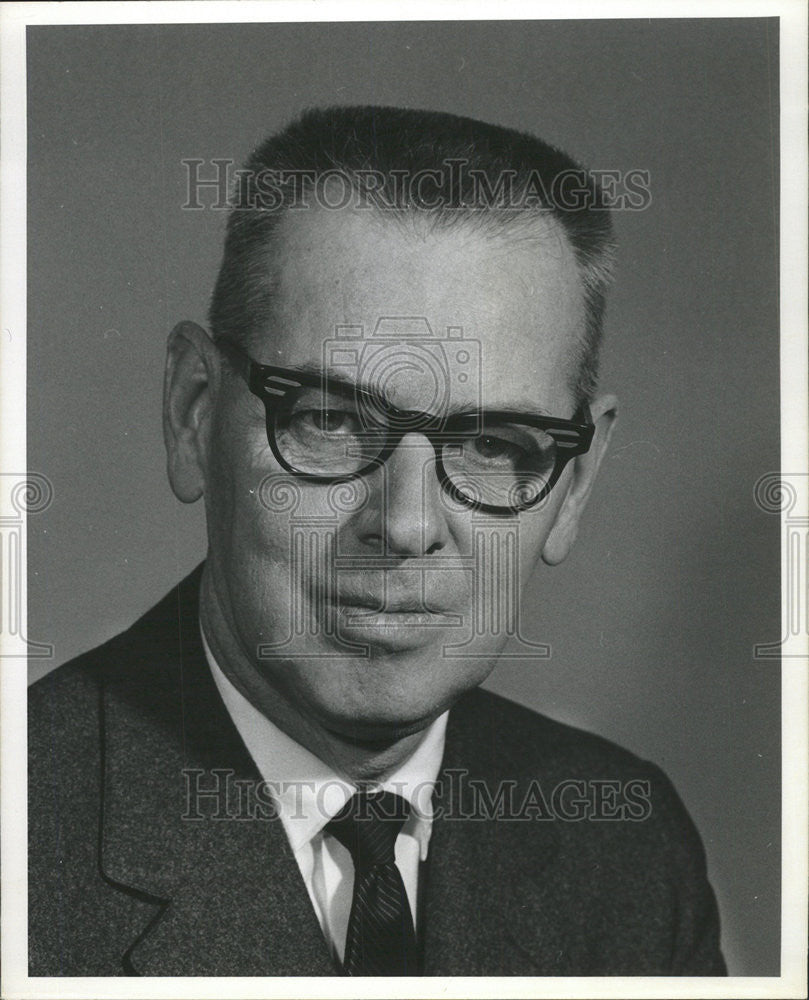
380, 416
412, 446
373, 402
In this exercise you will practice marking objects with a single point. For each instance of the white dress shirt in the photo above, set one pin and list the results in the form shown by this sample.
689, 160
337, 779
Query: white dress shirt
308, 794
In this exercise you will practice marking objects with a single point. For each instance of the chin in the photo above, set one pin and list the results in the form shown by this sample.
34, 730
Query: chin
391, 712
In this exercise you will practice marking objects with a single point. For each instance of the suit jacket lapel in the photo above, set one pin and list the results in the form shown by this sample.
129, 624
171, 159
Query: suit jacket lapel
227, 893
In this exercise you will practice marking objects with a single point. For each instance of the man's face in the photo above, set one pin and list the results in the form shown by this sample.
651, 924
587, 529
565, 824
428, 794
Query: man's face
357, 598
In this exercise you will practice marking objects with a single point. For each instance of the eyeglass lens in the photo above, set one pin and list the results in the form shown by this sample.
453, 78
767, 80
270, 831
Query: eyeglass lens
328, 433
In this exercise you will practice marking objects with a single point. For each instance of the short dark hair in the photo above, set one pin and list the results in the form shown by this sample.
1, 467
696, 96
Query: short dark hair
482, 175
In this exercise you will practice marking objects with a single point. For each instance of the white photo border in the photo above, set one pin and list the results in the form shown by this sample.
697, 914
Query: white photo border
14, 18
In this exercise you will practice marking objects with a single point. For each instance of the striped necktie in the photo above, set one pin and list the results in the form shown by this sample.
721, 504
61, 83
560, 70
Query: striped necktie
381, 940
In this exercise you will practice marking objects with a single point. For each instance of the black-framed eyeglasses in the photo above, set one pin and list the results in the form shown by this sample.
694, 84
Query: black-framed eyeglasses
326, 430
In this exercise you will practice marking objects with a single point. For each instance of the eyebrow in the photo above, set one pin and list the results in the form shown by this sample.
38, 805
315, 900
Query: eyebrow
335, 375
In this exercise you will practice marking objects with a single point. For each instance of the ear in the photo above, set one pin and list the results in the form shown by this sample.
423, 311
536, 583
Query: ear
191, 380
565, 528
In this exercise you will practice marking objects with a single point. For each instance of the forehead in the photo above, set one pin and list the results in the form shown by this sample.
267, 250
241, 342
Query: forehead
516, 297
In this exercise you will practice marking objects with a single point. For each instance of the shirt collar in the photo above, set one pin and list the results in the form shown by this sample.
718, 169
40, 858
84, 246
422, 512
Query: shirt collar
307, 791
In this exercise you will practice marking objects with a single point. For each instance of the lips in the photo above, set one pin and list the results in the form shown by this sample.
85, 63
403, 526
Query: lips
393, 623
397, 609
397, 605
394, 631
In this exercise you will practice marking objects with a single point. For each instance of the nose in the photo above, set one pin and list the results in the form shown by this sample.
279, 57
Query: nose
412, 519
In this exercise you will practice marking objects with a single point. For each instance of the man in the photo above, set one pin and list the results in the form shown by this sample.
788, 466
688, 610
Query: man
286, 768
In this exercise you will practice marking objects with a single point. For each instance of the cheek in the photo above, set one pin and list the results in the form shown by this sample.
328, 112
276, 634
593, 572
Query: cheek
247, 501
524, 533
268, 531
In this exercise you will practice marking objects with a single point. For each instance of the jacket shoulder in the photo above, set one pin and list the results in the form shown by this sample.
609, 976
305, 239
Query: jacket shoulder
530, 741
514, 742
65, 706
625, 838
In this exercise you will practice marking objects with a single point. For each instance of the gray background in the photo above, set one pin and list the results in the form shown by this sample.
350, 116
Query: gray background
675, 576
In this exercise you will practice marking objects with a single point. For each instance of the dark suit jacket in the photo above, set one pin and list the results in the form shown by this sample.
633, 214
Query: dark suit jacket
121, 884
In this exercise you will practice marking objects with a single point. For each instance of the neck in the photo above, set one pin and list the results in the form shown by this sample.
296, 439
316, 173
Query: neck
356, 759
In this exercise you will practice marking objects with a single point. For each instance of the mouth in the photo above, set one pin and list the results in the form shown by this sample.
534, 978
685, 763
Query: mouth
369, 602
402, 623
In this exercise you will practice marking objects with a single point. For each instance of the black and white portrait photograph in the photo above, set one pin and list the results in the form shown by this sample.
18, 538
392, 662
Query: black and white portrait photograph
404, 500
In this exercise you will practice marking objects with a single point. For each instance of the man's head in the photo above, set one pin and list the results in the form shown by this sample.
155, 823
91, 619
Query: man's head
411, 167
363, 607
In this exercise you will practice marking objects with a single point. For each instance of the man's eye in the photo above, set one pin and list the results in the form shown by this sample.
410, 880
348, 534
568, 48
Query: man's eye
497, 449
328, 421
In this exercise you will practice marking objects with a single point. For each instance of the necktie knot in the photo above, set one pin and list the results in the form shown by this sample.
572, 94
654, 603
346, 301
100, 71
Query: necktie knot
368, 825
